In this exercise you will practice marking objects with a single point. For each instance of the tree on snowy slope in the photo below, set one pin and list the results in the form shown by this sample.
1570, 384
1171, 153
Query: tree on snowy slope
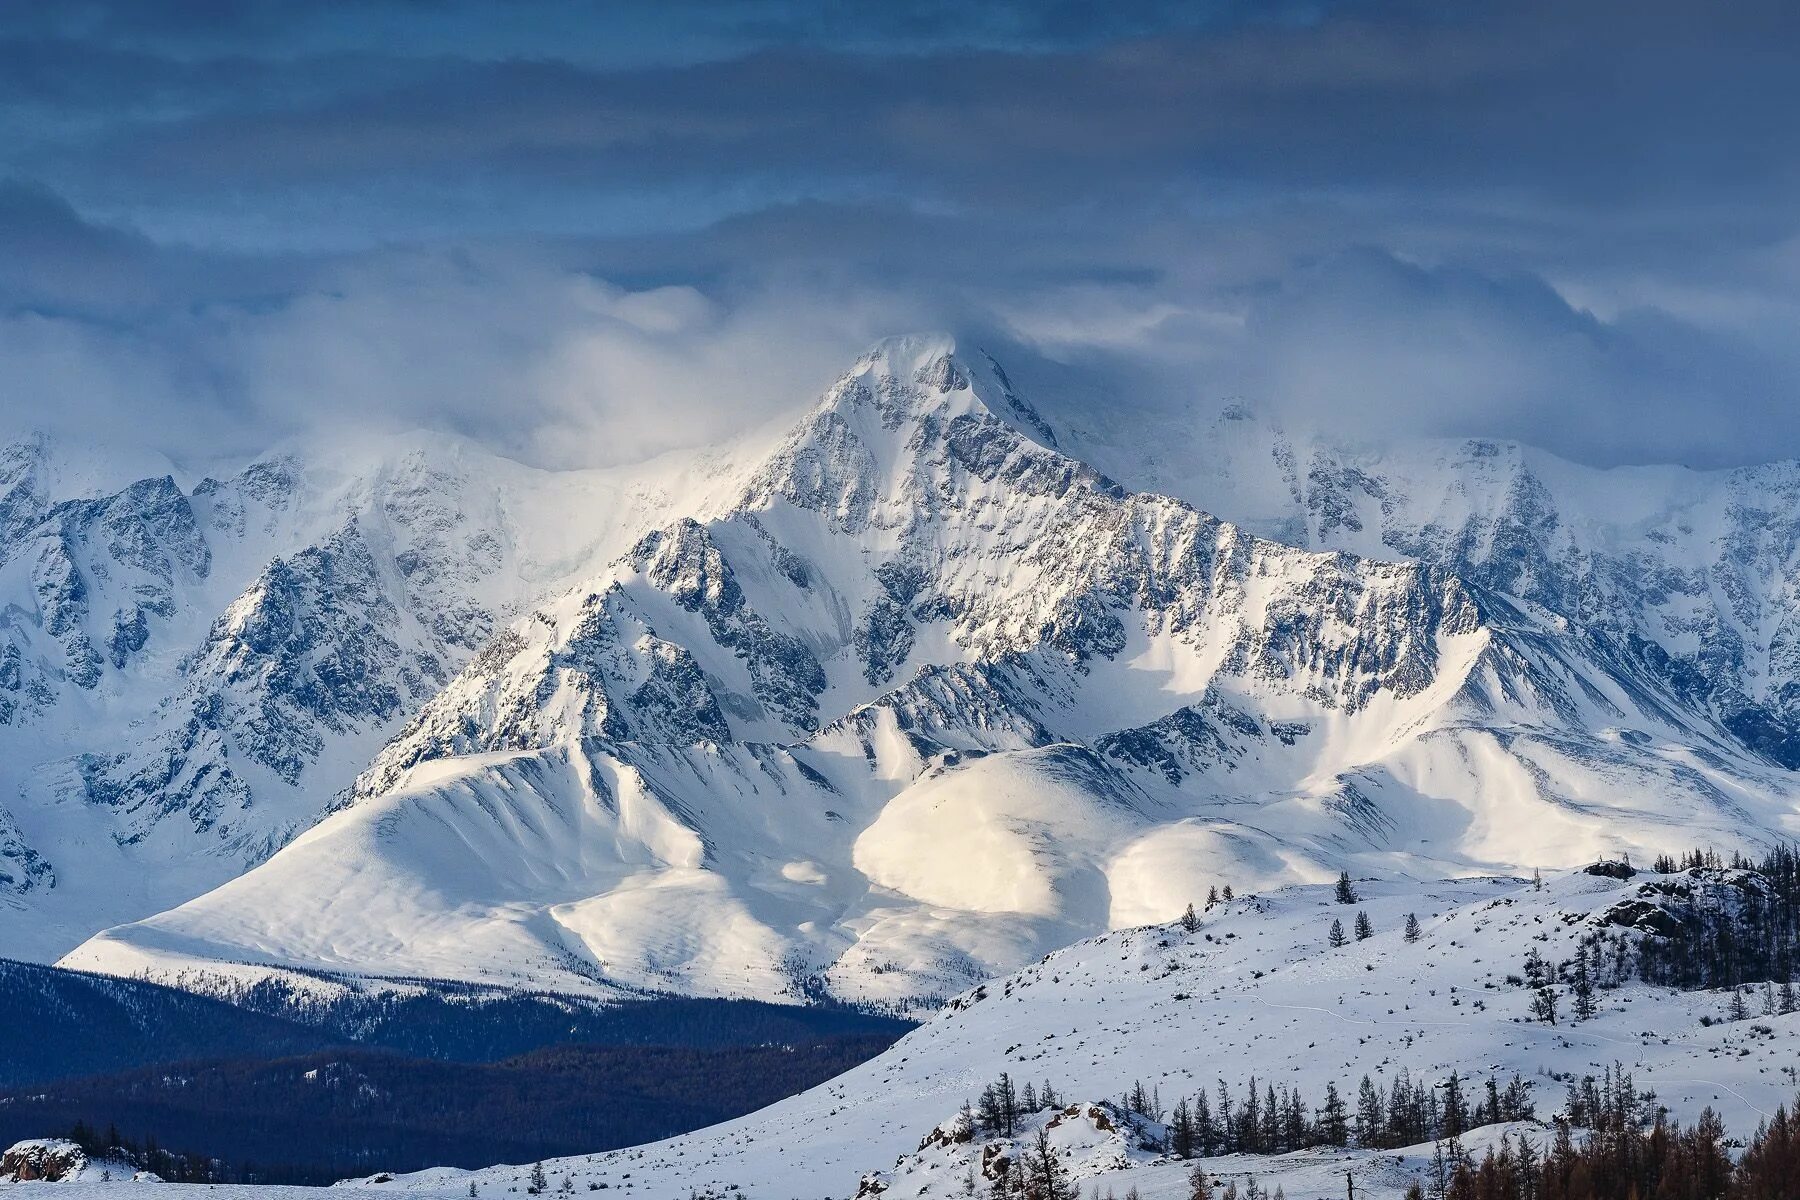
1346, 894
1336, 937
1144, 1103
997, 1112
1334, 1123
1182, 1137
1046, 1176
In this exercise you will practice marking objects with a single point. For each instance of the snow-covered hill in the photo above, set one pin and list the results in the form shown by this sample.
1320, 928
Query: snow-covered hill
189, 672
1255, 991
922, 697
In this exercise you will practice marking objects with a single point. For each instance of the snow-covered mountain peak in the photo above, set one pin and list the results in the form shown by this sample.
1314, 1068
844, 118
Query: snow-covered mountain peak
915, 696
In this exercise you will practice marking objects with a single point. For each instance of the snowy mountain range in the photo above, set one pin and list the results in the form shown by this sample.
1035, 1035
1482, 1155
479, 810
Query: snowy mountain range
190, 673
893, 701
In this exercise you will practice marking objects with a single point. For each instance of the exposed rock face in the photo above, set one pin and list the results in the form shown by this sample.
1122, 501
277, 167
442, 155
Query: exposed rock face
42, 1160
1685, 579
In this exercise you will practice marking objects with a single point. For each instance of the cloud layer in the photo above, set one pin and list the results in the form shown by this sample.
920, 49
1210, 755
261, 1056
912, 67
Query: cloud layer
588, 233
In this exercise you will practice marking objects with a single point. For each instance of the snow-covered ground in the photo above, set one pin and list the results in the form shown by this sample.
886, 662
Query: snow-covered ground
1255, 991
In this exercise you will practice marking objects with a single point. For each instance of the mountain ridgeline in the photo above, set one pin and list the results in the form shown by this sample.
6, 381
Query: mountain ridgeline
909, 696
915, 695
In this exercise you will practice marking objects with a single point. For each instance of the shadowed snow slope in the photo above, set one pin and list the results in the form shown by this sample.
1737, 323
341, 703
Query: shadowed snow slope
922, 697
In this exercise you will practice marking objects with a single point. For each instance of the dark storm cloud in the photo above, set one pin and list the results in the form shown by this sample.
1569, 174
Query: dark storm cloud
1569, 223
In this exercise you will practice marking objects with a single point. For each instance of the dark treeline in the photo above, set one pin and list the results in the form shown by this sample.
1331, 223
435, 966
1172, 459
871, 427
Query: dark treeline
1735, 924
323, 1117
1626, 1162
1732, 935
63, 1024
467, 1023
1261, 1118
59, 1023
1632, 1150
173, 1166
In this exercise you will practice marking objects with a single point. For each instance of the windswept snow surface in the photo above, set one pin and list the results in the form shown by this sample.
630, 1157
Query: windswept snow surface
1255, 991
915, 697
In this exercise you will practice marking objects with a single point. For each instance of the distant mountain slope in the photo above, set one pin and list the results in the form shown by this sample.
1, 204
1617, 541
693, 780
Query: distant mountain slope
319, 1117
926, 697
188, 674
66, 1023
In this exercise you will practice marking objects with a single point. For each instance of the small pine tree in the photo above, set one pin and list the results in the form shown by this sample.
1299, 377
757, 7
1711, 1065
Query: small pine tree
1788, 1000
1212, 896
471, 1190
1543, 1005
1336, 936
1190, 920
1413, 933
1583, 988
1199, 1186
1364, 929
1048, 1178
1345, 893
1227, 892
538, 1180
1182, 1140
1009, 1103
1334, 1118
1739, 1011
1537, 880
988, 1117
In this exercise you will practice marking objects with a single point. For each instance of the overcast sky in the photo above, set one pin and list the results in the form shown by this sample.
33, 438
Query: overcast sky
584, 232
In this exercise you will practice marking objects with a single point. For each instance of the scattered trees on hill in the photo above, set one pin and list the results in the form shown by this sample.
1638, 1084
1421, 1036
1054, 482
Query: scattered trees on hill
1633, 1151
1271, 1120
1002, 1103
1744, 928
1662, 1160
1734, 926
